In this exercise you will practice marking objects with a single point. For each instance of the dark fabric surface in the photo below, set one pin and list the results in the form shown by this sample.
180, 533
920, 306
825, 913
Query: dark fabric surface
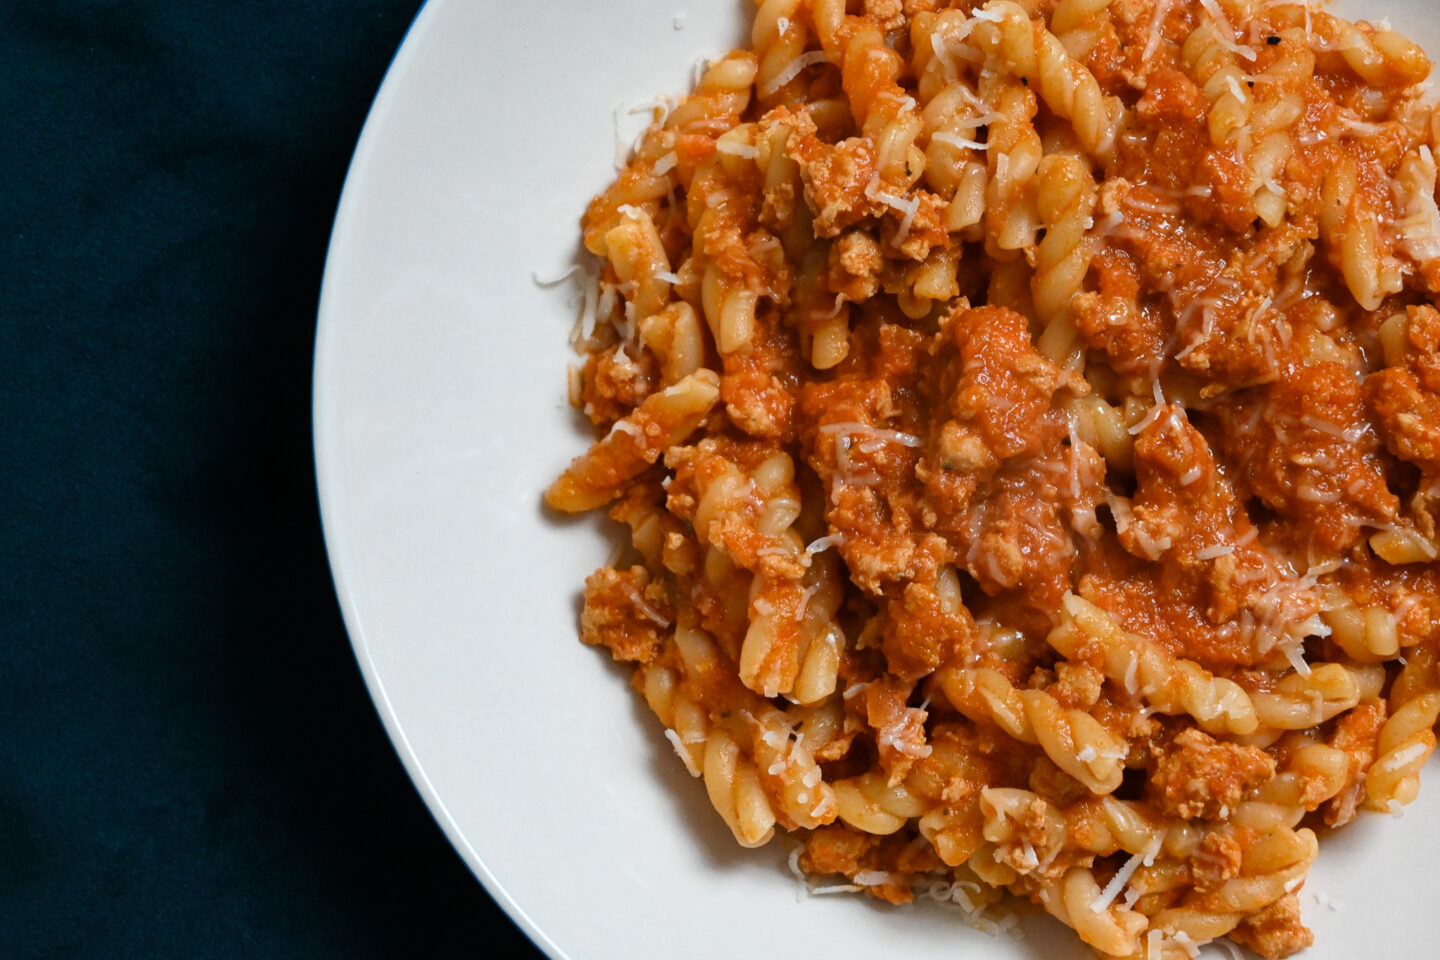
189, 763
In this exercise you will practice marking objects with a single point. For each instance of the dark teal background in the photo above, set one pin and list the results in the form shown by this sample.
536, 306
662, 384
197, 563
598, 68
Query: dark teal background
189, 763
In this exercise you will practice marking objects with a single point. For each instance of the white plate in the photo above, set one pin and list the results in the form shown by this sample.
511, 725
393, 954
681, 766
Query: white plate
440, 416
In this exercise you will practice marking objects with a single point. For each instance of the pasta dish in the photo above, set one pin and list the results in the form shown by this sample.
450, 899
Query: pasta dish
1026, 418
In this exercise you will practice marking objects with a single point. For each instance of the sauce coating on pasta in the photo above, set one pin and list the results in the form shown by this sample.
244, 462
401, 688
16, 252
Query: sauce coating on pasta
1027, 419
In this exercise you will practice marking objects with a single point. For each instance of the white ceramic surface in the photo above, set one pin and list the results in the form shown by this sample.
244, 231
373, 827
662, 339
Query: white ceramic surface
440, 416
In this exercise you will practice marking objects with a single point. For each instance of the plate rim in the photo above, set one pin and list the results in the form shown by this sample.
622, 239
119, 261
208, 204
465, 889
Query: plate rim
322, 439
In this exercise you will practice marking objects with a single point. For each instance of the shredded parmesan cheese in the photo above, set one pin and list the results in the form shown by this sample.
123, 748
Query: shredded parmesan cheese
1153, 414
853, 429
626, 426
1296, 656
908, 207
791, 71
1152, 42
836, 888
821, 544
873, 878
675, 742
955, 140
1400, 758
744, 150
1123, 875
1230, 948
558, 279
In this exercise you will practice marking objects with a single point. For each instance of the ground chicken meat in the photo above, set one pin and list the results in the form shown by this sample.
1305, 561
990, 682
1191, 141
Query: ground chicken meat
1275, 931
1198, 776
625, 612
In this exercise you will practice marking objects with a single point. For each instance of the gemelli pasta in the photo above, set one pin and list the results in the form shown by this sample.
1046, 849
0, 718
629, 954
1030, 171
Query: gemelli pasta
1026, 416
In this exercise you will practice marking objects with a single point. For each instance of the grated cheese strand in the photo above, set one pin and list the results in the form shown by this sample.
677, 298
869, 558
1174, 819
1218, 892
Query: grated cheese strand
791, 71
1122, 877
